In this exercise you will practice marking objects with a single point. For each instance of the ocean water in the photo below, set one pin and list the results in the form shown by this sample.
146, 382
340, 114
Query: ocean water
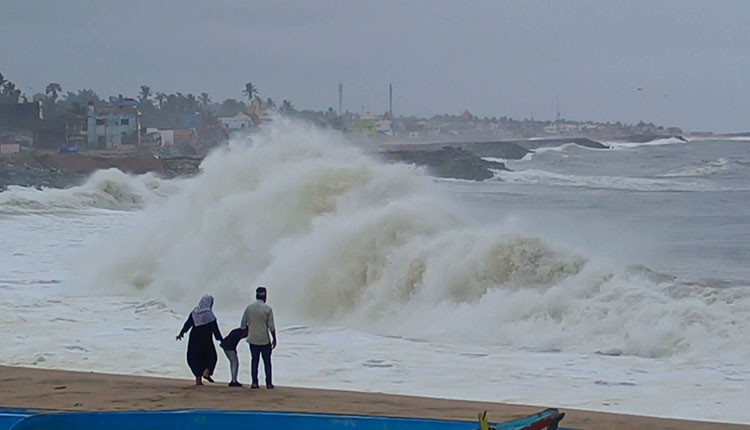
612, 280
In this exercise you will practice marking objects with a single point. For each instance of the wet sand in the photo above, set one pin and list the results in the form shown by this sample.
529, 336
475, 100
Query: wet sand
65, 390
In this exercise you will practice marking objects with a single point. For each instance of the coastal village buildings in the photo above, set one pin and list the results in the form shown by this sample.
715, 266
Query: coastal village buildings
371, 125
238, 123
113, 126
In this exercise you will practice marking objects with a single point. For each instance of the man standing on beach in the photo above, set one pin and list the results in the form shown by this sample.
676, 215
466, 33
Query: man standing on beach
258, 318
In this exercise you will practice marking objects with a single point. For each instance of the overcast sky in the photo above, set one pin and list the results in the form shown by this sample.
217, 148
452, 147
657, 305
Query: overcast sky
690, 58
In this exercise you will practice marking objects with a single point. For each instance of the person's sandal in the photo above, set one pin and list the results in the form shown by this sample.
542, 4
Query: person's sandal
254, 386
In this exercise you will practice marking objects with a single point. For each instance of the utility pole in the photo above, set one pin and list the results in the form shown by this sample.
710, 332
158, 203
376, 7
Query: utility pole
557, 108
341, 97
390, 100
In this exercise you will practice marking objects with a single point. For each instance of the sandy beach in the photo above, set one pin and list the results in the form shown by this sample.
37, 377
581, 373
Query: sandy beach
66, 390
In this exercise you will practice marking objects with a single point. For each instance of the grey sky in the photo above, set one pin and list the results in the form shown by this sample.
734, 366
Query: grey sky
691, 58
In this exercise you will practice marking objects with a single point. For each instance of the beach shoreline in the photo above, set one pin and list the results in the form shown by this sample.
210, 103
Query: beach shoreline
34, 388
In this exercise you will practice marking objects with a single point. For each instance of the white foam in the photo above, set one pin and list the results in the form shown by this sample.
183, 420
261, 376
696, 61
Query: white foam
656, 142
105, 189
345, 240
720, 165
379, 283
536, 177
561, 148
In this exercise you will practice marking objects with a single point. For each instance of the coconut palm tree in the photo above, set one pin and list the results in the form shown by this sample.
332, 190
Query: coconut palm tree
161, 97
250, 91
145, 93
286, 106
205, 99
52, 90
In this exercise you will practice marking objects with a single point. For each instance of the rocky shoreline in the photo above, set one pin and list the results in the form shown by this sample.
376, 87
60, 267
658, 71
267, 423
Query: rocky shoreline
459, 160
53, 170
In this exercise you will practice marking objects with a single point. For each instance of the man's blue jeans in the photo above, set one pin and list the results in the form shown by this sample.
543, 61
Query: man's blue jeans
255, 352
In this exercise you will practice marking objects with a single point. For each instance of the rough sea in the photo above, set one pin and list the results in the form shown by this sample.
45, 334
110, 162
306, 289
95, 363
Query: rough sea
613, 280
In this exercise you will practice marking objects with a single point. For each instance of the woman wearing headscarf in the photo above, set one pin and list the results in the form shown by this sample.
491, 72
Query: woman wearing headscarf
201, 354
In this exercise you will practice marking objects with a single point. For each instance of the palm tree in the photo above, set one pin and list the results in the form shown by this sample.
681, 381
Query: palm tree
52, 90
77, 109
286, 106
205, 99
145, 93
250, 91
161, 97
192, 103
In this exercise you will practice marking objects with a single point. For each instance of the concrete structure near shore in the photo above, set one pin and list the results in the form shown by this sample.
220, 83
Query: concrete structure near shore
240, 122
113, 126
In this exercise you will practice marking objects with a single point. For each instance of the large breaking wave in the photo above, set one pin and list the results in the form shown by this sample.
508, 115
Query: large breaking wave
105, 189
342, 239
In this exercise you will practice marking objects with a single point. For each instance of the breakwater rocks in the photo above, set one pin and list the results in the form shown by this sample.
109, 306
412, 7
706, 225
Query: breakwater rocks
50, 169
506, 149
459, 160
446, 162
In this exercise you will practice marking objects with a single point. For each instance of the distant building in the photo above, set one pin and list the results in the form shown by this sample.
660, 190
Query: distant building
10, 148
113, 126
372, 125
239, 122
160, 138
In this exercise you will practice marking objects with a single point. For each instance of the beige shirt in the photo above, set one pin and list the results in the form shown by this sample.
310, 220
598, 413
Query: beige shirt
258, 317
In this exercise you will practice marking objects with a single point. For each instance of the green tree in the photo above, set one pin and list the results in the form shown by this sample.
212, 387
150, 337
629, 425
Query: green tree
205, 100
9, 93
250, 91
161, 98
145, 93
287, 107
77, 109
52, 91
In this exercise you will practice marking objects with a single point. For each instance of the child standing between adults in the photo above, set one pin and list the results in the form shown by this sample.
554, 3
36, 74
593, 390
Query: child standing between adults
229, 345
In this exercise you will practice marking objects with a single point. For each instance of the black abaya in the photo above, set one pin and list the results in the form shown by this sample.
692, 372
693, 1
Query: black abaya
201, 353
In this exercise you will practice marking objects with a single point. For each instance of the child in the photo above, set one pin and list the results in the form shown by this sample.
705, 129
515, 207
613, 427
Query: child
229, 344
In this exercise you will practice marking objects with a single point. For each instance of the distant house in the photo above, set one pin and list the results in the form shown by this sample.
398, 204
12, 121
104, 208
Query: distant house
239, 122
113, 126
10, 148
372, 125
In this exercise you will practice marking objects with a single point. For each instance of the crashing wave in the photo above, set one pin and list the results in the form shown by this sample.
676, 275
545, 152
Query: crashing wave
342, 239
104, 189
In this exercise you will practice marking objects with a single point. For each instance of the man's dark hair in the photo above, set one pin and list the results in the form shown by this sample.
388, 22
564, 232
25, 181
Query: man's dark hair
260, 293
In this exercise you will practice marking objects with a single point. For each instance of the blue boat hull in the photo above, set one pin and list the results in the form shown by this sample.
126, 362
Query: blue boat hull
197, 419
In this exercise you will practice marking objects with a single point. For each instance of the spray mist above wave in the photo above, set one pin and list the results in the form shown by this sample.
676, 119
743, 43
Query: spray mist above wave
104, 189
342, 239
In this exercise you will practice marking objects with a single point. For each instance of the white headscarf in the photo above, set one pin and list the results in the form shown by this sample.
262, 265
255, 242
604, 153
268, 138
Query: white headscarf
202, 314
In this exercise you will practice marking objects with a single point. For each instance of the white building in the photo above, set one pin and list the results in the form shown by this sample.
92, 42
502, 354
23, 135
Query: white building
112, 127
10, 148
161, 137
239, 122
